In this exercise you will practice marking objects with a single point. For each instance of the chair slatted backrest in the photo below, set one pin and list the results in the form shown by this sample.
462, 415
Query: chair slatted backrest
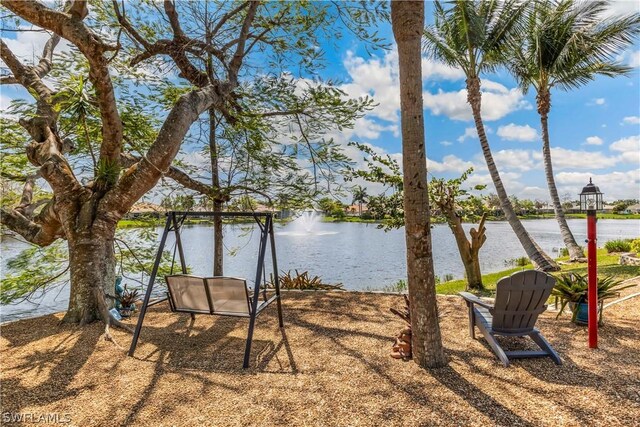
229, 295
520, 298
188, 293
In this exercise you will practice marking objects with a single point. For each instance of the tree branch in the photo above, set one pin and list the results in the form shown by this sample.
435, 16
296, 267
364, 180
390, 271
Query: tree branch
42, 231
70, 26
143, 175
236, 61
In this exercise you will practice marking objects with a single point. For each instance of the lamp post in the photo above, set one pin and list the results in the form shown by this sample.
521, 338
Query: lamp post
591, 201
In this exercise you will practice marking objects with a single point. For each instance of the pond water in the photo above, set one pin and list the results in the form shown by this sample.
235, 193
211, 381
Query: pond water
360, 256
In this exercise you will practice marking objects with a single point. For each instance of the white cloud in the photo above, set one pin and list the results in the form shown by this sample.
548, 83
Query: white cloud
470, 133
596, 101
629, 149
450, 163
377, 78
446, 143
631, 120
513, 132
634, 59
564, 158
497, 102
621, 7
432, 70
28, 45
522, 160
369, 129
614, 185
594, 140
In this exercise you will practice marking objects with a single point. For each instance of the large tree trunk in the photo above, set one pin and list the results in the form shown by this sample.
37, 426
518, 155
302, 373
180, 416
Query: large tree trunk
407, 18
218, 248
575, 251
92, 268
469, 251
538, 257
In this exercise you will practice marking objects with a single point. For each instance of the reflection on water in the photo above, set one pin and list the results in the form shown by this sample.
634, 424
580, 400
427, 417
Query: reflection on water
358, 255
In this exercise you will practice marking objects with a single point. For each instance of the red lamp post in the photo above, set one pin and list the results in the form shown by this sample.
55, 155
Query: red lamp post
591, 201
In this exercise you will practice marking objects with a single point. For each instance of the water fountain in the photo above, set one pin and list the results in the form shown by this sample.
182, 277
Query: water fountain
306, 223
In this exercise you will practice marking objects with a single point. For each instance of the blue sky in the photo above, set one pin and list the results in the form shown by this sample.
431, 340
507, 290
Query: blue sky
594, 131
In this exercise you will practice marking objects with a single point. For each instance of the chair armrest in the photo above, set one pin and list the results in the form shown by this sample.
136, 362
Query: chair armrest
470, 298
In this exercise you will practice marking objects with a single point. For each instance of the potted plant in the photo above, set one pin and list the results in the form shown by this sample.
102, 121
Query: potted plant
572, 289
127, 301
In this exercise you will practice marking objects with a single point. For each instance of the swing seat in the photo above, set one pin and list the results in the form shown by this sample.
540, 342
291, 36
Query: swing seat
224, 296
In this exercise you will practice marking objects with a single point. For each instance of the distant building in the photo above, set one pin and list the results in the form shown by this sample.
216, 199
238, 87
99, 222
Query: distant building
145, 209
633, 209
355, 209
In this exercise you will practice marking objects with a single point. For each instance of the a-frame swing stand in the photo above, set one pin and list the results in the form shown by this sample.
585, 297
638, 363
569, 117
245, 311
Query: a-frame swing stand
215, 295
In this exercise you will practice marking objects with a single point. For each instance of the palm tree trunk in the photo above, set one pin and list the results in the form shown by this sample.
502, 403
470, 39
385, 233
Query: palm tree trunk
407, 18
575, 251
538, 257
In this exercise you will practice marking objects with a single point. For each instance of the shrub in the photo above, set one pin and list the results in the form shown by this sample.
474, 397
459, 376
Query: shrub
366, 216
447, 278
572, 288
303, 281
618, 245
399, 286
338, 212
518, 262
635, 246
565, 251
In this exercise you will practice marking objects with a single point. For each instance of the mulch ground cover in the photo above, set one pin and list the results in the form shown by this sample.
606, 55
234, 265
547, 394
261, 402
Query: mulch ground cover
329, 367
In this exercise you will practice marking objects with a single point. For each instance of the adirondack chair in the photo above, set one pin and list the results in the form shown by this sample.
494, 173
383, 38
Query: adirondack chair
520, 298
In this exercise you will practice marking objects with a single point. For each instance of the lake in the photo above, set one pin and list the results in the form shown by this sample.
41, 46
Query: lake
360, 256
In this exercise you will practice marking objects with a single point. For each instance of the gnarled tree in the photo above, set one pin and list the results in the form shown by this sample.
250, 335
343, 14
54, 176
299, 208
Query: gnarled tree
85, 214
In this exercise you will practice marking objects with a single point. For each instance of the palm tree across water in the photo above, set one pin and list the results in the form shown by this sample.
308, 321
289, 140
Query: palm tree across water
565, 45
474, 36
359, 196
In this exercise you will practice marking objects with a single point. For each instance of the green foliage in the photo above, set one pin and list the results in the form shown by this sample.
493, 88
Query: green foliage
473, 35
304, 282
108, 171
568, 44
33, 270
573, 288
179, 202
635, 246
400, 286
619, 245
518, 262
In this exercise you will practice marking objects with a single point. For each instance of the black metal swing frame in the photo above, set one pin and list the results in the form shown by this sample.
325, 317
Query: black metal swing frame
174, 223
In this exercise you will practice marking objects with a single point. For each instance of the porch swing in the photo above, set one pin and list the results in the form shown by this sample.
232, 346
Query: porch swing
222, 296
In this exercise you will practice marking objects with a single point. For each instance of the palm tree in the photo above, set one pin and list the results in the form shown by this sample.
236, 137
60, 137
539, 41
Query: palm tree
359, 196
474, 36
565, 45
407, 20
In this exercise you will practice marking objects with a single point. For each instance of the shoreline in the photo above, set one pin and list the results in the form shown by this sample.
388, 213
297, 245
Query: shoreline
156, 222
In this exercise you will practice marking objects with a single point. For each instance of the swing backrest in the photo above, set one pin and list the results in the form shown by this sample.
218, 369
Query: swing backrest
229, 295
211, 295
187, 293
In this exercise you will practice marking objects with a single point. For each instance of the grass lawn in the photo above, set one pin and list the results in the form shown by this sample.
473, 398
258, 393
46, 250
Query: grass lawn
330, 366
607, 265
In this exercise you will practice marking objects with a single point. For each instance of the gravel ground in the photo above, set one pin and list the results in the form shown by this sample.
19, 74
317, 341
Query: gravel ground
330, 367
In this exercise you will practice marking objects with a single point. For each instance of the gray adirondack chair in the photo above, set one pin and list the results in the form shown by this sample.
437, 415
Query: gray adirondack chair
520, 298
